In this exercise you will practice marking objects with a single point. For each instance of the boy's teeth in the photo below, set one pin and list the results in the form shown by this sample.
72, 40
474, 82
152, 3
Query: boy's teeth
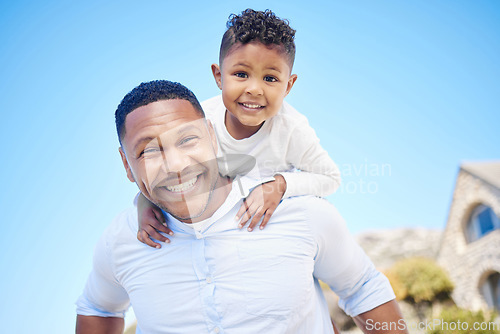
253, 106
183, 186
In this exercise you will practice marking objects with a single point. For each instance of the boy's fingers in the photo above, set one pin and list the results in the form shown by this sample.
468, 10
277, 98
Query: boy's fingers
160, 224
244, 213
158, 236
144, 238
159, 216
160, 227
248, 214
267, 216
139, 236
168, 230
242, 210
149, 232
244, 219
256, 218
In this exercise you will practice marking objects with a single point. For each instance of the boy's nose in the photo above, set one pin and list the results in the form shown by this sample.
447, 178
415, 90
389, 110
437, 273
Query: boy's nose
254, 88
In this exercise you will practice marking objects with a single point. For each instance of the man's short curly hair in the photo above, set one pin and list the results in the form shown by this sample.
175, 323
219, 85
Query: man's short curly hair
264, 27
149, 92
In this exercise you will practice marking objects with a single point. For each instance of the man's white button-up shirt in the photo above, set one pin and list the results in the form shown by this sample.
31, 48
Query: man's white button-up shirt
220, 279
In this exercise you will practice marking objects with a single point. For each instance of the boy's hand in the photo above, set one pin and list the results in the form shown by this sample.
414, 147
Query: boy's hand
151, 222
262, 201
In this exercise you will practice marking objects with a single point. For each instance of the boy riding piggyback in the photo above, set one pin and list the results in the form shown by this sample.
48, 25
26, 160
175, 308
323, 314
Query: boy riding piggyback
251, 119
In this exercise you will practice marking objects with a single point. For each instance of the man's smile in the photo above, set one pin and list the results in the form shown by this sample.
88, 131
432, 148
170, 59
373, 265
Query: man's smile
185, 186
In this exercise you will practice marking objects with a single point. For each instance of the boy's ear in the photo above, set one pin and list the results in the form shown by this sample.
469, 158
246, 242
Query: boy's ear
130, 176
291, 82
217, 75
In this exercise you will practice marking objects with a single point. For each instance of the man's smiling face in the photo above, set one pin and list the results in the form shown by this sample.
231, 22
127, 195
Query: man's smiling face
168, 150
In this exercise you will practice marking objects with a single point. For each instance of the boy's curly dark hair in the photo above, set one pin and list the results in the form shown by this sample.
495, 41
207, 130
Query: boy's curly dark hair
149, 92
264, 27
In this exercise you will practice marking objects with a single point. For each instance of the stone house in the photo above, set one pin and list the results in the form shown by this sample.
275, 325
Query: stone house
470, 248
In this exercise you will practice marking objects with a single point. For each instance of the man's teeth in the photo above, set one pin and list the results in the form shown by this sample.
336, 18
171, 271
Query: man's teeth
252, 106
183, 186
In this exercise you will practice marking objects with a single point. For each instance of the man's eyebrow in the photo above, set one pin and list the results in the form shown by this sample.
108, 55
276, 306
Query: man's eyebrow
187, 128
182, 130
145, 139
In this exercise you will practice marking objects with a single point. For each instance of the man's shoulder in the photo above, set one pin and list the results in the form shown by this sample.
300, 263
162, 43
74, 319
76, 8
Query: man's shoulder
212, 106
122, 227
215, 100
316, 212
308, 203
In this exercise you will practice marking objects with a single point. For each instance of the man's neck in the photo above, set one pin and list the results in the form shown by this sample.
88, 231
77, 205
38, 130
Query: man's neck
221, 190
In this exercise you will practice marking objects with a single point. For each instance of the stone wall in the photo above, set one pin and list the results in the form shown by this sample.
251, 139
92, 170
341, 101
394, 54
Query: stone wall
468, 264
385, 247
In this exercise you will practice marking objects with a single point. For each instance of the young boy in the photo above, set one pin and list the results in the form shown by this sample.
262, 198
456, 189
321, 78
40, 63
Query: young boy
250, 117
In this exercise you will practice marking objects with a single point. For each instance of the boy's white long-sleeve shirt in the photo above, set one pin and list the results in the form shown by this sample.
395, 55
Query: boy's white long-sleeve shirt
284, 142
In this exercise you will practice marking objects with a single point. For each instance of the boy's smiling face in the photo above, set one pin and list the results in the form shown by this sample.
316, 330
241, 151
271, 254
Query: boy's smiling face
254, 79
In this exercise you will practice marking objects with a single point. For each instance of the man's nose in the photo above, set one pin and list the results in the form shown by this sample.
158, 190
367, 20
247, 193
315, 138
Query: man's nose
254, 87
175, 161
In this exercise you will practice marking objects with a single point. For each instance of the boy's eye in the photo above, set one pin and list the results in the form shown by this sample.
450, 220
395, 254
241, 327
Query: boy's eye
241, 75
270, 78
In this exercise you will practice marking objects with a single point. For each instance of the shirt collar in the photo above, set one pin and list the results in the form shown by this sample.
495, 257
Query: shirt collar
240, 188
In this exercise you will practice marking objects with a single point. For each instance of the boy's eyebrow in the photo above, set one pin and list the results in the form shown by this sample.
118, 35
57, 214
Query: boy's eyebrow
267, 68
241, 64
273, 69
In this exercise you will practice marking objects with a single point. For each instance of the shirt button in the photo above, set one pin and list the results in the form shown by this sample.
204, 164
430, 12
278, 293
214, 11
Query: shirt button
217, 330
209, 280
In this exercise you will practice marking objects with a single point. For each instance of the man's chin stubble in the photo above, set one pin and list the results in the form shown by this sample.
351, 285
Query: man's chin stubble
189, 219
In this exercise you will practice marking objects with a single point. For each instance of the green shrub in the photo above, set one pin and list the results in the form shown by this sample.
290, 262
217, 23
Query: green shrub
455, 320
419, 280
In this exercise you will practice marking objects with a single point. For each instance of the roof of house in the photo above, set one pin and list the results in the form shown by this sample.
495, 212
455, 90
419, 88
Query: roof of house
488, 171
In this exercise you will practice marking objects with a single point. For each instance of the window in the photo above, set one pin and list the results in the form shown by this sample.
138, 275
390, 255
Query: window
491, 290
481, 222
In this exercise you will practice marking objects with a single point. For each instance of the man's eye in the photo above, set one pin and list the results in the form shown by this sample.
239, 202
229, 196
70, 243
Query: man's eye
150, 151
187, 140
241, 75
270, 78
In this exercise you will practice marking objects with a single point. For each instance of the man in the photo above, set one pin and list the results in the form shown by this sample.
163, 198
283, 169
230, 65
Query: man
214, 277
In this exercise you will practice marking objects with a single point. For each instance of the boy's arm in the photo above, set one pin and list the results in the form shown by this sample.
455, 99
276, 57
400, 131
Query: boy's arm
320, 175
261, 203
151, 222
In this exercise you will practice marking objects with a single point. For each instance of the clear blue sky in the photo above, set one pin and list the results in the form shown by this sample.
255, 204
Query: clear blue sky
400, 92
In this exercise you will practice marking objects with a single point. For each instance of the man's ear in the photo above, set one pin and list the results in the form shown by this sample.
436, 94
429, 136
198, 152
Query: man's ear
213, 136
130, 176
291, 82
217, 75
